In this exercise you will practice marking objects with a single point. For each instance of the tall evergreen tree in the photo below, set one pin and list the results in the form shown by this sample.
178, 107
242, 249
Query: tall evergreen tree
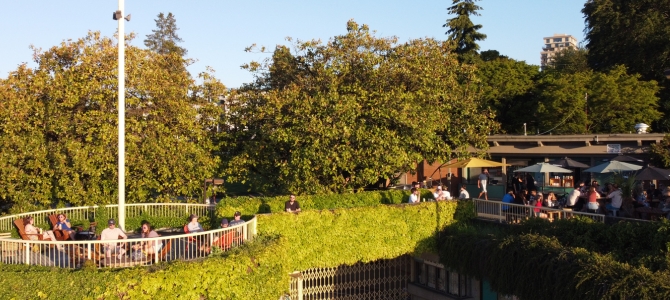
164, 38
461, 29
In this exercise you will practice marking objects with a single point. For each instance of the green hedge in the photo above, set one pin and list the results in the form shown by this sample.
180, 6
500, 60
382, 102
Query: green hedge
260, 205
542, 260
286, 242
254, 271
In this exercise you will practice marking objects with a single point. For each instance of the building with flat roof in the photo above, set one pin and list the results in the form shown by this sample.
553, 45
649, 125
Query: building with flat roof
554, 44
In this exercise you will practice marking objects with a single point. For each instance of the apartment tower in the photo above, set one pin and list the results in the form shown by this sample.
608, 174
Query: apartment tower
553, 44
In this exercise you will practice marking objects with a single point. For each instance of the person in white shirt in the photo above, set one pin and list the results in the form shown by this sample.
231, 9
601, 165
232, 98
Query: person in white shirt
440, 194
113, 233
464, 193
481, 183
574, 197
615, 195
414, 197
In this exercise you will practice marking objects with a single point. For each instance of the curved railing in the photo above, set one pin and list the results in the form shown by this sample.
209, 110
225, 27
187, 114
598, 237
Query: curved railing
133, 251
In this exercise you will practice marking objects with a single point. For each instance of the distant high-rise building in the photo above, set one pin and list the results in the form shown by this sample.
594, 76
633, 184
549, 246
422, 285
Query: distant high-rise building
553, 44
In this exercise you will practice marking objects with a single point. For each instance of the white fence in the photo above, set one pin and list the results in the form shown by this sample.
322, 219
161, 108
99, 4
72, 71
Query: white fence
511, 213
125, 252
132, 211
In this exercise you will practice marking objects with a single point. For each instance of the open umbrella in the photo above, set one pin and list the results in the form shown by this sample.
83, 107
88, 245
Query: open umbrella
474, 163
543, 168
653, 173
568, 163
613, 166
626, 158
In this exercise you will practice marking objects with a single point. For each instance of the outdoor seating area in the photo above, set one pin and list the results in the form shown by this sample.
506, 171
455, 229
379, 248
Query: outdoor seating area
87, 248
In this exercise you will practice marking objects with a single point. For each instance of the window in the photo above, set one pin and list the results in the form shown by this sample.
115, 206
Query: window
435, 277
558, 40
547, 46
547, 41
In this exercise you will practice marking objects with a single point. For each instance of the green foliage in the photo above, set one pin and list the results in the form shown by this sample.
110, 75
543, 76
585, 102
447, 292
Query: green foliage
565, 259
256, 270
616, 102
660, 153
164, 38
461, 29
506, 87
260, 205
569, 61
339, 116
59, 131
634, 34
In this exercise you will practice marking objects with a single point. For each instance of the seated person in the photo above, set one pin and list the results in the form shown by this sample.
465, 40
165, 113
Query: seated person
111, 233
143, 249
551, 200
440, 194
225, 240
237, 219
291, 205
641, 199
464, 193
64, 225
193, 225
414, 196
33, 232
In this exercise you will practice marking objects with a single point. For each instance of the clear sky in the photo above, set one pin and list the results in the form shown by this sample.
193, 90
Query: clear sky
215, 32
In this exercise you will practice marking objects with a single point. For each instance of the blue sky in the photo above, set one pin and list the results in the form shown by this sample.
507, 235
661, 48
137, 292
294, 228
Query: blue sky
216, 32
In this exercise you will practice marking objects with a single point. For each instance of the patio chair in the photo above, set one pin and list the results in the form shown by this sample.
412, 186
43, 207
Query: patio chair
20, 225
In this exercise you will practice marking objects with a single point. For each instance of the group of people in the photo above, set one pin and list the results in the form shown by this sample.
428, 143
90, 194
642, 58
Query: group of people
530, 198
584, 197
440, 194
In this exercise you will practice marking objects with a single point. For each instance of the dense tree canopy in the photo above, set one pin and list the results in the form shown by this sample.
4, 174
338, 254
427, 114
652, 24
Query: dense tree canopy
631, 33
616, 101
337, 116
59, 127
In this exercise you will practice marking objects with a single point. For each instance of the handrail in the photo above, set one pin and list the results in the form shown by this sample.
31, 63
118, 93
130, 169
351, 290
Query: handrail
125, 252
494, 210
85, 212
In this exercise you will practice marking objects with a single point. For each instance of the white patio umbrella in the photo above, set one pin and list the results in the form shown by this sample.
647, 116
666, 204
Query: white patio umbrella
543, 168
613, 166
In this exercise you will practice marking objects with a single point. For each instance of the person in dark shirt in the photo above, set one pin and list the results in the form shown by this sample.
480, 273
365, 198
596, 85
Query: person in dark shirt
291, 205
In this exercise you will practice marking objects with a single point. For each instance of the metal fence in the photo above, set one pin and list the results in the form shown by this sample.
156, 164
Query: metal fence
133, 251
512, 213
132, 210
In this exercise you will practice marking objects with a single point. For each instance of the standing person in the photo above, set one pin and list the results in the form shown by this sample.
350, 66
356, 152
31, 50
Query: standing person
464, 193
616, 197
573, 197
481, 183
530, 182
593, 199
517, 183
414, 197
112, 233
291, 205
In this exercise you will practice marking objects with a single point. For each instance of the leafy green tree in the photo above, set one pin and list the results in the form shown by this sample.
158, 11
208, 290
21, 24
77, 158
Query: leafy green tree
164, 38
660, 153
616, 102
338, 116
59, 127
506, 87
631, 33
569, 61
461, 29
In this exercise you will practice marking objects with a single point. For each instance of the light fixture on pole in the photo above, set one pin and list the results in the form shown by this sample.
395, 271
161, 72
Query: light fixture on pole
118, 16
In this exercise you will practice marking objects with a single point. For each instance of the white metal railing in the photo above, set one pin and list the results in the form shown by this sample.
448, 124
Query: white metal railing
510, 213
132, 210
126, 252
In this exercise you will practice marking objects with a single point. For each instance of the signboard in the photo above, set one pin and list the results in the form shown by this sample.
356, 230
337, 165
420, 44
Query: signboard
614, 148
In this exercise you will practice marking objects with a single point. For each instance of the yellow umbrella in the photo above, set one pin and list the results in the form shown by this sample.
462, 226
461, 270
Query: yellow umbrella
474, 163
